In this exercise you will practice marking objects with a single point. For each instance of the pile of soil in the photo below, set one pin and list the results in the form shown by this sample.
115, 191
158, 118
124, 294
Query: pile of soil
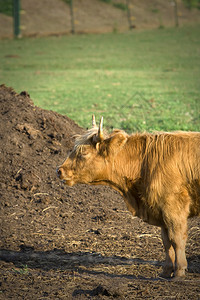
59, 242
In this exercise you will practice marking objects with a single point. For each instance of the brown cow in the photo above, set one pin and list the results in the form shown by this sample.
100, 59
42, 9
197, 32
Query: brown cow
157, 174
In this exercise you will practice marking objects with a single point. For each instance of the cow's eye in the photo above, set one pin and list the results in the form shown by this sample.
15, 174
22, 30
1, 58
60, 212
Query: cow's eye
81, 154
84, 153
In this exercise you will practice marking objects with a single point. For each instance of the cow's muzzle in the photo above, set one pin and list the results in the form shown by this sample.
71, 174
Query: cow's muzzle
60, 172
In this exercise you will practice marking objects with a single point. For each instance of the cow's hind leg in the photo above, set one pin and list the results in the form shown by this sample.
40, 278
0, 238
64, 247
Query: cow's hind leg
175, 214
177, 234
179, 243
169, 265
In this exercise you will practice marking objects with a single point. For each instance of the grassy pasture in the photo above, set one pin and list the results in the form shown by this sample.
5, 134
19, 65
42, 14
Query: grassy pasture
138, 81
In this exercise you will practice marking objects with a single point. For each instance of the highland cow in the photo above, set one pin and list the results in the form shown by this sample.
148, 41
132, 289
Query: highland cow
157, 174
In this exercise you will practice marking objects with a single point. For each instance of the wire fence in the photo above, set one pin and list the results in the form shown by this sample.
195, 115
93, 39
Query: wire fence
73, 10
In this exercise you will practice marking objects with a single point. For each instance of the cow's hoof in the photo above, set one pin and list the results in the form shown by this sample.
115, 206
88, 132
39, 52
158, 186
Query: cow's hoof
165, 275
179, 274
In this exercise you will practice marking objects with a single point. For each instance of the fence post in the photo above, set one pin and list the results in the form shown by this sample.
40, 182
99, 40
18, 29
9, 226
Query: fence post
16, 17
129, 14
176, 13
72, 16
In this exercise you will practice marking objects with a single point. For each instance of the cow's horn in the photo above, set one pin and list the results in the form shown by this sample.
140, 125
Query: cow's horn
100, 132
93, 121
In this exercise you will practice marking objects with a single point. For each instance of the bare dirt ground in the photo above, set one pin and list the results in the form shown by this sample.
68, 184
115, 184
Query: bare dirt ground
49, 17
72, 243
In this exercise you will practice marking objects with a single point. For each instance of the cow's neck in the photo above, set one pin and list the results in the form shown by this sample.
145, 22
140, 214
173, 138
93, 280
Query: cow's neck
124, 171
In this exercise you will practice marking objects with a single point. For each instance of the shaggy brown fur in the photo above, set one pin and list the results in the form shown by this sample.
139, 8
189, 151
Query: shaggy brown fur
157, 174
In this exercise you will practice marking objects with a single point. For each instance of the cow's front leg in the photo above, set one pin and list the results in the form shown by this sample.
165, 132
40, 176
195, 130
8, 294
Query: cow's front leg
169, 265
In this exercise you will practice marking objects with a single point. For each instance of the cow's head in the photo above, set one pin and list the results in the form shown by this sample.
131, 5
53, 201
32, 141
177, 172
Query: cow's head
91, 159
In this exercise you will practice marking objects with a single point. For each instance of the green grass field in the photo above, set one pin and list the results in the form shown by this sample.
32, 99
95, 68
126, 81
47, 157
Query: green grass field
137, 80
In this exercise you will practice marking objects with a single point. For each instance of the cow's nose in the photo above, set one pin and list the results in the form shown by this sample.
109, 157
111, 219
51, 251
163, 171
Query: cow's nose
60, 172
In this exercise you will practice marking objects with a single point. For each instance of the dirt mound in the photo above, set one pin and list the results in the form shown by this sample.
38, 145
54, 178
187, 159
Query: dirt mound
63, 243
32, 139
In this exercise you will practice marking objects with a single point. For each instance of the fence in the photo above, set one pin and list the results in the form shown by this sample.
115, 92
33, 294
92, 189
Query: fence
79, 16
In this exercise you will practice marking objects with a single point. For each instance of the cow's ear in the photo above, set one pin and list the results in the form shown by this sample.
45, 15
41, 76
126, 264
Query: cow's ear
113, 144
97, 146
